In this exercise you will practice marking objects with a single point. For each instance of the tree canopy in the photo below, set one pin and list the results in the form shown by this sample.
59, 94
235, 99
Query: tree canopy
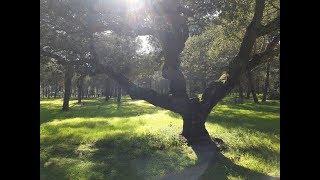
204, 47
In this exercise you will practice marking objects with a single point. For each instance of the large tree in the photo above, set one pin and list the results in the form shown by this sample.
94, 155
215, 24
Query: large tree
167, 21
169, 26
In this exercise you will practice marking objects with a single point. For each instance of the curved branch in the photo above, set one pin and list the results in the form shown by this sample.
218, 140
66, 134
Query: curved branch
251, 32
263, 57
161, 100
149, 95
270, 27
217, 90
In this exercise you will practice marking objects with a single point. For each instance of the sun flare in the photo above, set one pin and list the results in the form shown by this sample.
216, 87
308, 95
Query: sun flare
134, 4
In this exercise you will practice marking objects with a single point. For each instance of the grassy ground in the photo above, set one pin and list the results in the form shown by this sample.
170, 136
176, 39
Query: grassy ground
100, 140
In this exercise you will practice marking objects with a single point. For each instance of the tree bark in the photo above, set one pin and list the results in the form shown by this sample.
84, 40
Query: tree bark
46, 92
80, 88
240, 91
67, 87
247, 90
251, 87
119, 94
42, 90
194, 129
107, 89
266, 84
55, 91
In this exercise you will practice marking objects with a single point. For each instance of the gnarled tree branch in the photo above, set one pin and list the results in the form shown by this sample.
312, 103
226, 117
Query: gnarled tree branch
217, 90
270, 27
161, 100
149, 95
262, 57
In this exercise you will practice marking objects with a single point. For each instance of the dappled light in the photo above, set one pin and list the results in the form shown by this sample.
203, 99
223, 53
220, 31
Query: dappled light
140, 141
159, 89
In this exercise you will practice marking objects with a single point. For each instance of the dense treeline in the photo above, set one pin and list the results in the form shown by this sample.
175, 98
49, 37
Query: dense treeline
265, 80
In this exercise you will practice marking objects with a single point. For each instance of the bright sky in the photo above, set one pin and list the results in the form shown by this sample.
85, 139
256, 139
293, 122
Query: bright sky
146, 47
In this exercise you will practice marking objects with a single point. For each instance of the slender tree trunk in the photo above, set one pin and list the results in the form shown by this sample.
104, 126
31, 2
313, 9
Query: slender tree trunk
55, 91
80, 88
247, 92
60, 88
107, 89
119, 94
115, 91
50, 92
240, 90
47, 92
87, 92
266, 84
67, 87
43, 92
251, 86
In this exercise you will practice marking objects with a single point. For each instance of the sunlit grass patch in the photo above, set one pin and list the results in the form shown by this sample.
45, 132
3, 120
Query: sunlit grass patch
101, 140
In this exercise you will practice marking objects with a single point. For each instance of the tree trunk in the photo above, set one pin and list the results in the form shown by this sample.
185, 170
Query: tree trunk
50, 92
193, 132
119, 94
266, 84
172, 46
60, 88
80, 88
251, 86
46, 92
247, 92
55, 91
87, 92
67, 87
194, 129
107, 89
43, 92
240, 91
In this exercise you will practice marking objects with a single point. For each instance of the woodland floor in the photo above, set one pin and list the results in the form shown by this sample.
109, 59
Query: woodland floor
101, 140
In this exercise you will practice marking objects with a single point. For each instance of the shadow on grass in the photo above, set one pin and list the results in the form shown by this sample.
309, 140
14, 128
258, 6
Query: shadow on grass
127, 156
214, 165
233, 121
225, 168
272, 107
256, 117
91, 109
121, 156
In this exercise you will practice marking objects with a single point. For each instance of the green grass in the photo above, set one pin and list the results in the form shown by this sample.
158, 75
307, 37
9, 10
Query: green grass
100, 140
